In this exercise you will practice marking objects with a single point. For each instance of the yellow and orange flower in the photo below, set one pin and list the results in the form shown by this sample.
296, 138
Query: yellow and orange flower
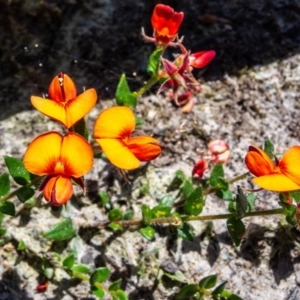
62, 159
64, 105
281, 176
113, 130
165, 22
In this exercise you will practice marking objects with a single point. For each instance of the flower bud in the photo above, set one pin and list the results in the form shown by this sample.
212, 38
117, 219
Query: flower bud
219, 150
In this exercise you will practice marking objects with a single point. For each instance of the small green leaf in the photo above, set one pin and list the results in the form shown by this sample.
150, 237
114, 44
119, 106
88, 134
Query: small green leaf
99, 275
115, 285
194, 202
160, 211
138, 121
8, 208
104, 199
62, 231
241, 203
224, 194
219, 289
187, 292
187, 188
99, 293
1, 217
216, 174
177, 181
4, 184
2, 230
208, 282
186, 232
178, 276
69, 261
236, 229
167, 200
21, 245
128, 215
123, 94
269, 149
30, 202
296, 196
118, 295
115, 215
115, 226
17, 170
146, 213
229, 295
81, 128
24, 193
154, 62
147, 232
251, 197
80, 268
232, 207
48, 272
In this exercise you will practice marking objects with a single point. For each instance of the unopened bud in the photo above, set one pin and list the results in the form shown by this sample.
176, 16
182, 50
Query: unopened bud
219, 150
199, 168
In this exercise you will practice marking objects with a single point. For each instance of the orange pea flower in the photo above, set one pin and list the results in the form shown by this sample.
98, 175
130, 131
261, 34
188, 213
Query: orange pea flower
113, 130
64, 105
165, 22
62, 159
280, 176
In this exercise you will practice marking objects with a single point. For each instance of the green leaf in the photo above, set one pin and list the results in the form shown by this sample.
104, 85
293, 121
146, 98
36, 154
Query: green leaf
229, 295
219, 289
62, 231
241, 203
178, 276
123, 94
177, 181
104, 199
119, 295
8, 208
194, 202
147, 232
115, 285
154, 62
128, 215
69, 261
138, 121
146, 213
99, 293
167, 200
160, 211
81, 128
4, 184
296, 196
186, 232
2, 230
187, 188
208, 282
115, 215
224, 194
269, 149
80, 268
48, 272
25, 193
236, 229
187, 292
251, 197
232, 207
1, 217
21, 245
115, 226
216, 174
17, 170
99, 275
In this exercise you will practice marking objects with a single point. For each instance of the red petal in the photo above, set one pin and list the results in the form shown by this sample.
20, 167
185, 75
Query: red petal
201, 59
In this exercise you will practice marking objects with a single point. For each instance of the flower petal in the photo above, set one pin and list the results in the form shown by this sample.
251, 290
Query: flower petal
118, 154
258, 162
289, 164
52, 109
58, 190
145, 148
76, 155
201, 59
116, 122
76, 109
42, 153
62, 88
276, 182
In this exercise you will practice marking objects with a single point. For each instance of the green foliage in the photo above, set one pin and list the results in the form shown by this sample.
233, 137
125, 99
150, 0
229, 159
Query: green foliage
80, 268
194, 202
236, 229
147, 232
115, 215
124, 96
216, 178
208, 282
241, 203
99, 275
4, 184
187, 292
115, 226
69, 261
160, 211
226, 195
81, 128
21, 246
167, 200
154, 62
146, 213
104, 199
17, 170
269, 148
8, 208
62, 231
25, 193
185, 232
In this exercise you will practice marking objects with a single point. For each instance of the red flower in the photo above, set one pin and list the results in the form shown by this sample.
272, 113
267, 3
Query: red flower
201, 59
199, 168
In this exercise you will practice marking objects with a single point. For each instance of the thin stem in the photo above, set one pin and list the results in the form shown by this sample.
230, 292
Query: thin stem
147, 86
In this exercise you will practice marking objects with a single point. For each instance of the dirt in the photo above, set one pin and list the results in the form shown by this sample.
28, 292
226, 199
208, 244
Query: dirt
249, 93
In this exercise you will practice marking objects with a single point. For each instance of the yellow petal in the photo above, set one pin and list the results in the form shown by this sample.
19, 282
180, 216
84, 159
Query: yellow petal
58, 190
76, 109
145, 148
52, 109
115, 122
289, 164
258, 162
276, 182
76, 155
42, 153
118, 154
